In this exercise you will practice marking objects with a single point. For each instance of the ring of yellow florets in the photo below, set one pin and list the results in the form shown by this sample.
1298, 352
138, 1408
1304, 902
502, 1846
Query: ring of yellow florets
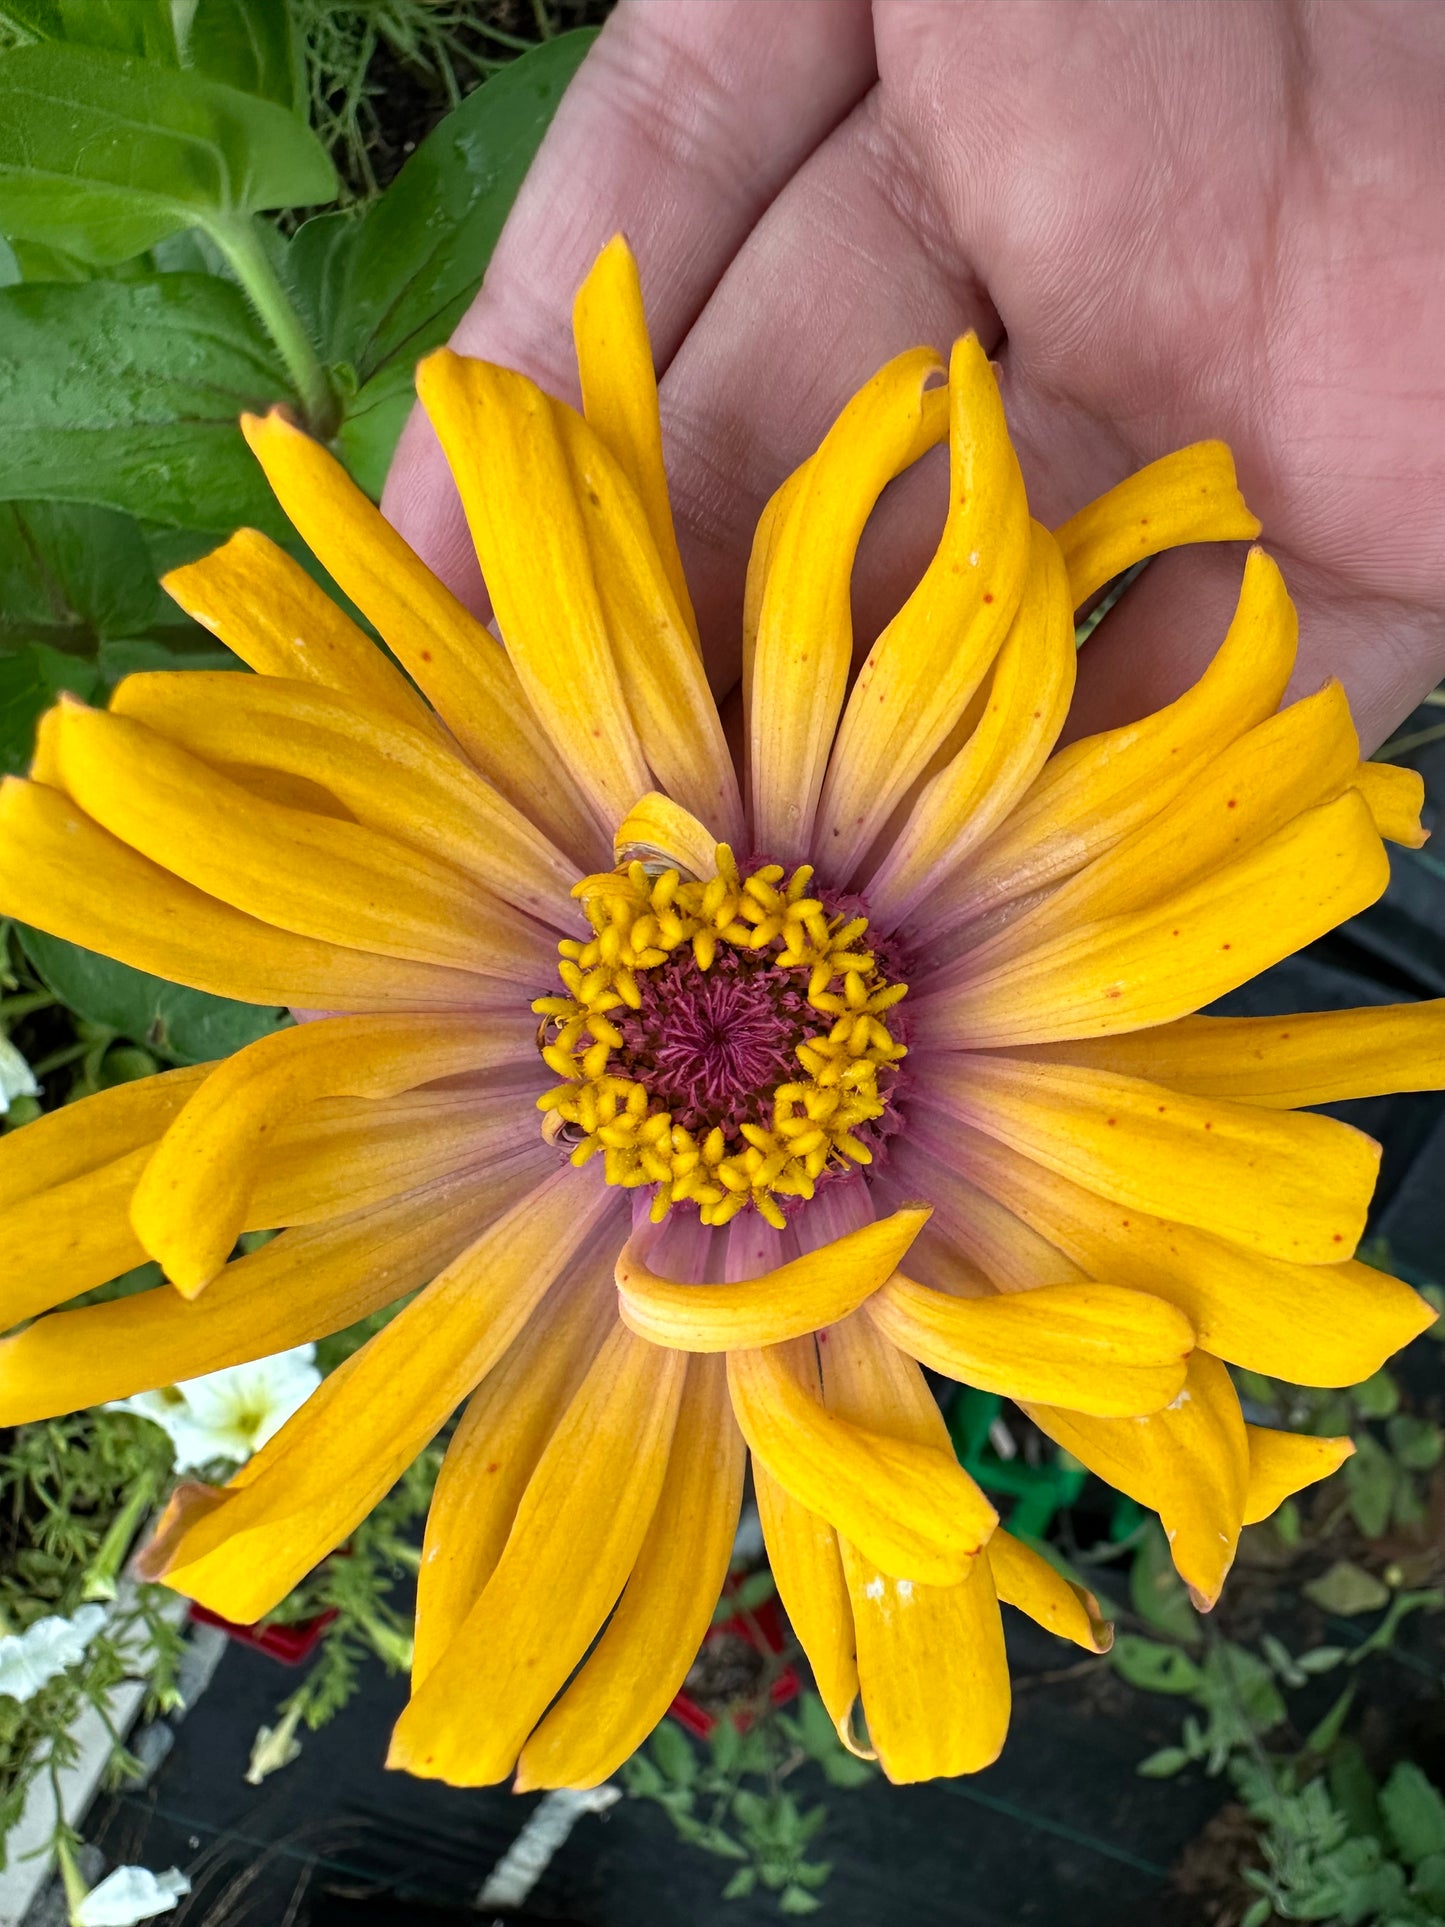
808, 1123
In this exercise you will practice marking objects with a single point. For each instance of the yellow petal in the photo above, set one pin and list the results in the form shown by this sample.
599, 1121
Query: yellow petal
657, 829
578, 1533
1305, 755
1395, 797
1094, 1348
1092, 794
931, 1660
637, 1667
1290, 1184
911, 1507
503, 441
296, 1288
265, 607
985, 1234
1027, 701
619, 395
1188, 496
1150, 966
195, 1195
1283, 1463
1311, 1324
804, 642
387, 775
798, 1297
760, 559
1024, 1579
808, 1568
657, 658
77, 1138
1189, 1463
338, 882
299, 1497
927, 663
69, 1238
457, 664
51, 855
1318, 1057
496, 1448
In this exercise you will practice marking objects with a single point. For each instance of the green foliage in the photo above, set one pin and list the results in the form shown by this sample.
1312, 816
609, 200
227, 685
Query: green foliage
73, 1491
704, 1791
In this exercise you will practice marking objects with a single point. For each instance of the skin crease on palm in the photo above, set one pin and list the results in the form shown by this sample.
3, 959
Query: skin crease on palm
1167, 219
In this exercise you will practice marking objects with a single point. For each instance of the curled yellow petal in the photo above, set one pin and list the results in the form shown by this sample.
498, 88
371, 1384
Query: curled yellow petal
1150, 966
1396, 797
1188, 496
453, 659
795, 1298
657, 830
619, 394
51, 853
1023, 1578
1283, 1463
925, 666
1189, 1463
1095, 1348
193, 1198
1284, 1063
577, 1536
1290, 1184
910, 1507
1027, 700
804, 644
264, 606
808, 1568
631, 1676
299, 1497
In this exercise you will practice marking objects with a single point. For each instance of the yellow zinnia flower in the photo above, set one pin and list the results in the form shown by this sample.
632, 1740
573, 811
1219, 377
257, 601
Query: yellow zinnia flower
701, 1111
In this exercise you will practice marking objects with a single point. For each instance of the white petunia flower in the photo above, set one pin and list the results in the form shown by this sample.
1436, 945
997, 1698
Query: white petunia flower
31, 1659
229, 1414
16, 1077
128, 1895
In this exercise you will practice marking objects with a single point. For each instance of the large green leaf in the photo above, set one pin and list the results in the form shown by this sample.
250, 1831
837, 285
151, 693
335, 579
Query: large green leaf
389, 285
143, 27
250, 44
71, 575
184, 1026
126, 393
31, 678
105, 155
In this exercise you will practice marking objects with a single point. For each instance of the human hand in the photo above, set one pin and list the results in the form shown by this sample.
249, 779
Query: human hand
1166, 223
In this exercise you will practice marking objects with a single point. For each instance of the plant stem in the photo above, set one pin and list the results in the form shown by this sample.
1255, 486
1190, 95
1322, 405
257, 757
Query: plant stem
239, 240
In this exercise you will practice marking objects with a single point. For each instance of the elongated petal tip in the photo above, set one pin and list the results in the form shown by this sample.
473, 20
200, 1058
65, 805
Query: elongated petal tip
188, 1504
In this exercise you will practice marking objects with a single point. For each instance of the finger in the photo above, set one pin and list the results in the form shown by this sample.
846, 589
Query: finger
684, 121
840, 274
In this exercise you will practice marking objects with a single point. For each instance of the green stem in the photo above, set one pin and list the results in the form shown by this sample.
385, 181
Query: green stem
239, 240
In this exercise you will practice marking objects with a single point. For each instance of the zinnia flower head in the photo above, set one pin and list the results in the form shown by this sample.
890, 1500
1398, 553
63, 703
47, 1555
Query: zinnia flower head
700, 1109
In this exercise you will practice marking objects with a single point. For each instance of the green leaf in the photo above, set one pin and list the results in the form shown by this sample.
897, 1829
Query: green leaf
1377, 1396
1164, 1764
71, 576
106, 155
797, 1900
1323, 1736
142, 27
183, 1026
1371, 1476
30, 680
250, 44
1414, 1812
1347, 1589
1154, 1668
389, 285
126, 394
741, 1884
1416, 1442
1259, 1914
673, 1752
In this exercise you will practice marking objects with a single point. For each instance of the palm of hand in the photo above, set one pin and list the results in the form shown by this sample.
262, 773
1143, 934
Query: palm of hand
1166, 223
